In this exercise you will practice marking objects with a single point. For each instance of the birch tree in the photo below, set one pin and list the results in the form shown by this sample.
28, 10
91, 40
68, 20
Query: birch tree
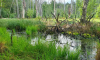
40, 7
17, 9
54, 8
23, 9
64, 6
71, 6
36, 6
30, 4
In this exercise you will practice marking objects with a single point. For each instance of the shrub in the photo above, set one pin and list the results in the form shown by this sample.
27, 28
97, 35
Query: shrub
30, 13
98, 12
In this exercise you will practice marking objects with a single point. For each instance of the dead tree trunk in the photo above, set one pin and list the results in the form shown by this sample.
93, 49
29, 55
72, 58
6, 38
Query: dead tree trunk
54, 8
36, 4
33, 5
71, 6
17, 9
64, 6
23, 10
83, 18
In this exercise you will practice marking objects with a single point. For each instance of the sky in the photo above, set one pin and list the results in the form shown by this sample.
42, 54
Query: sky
60, 1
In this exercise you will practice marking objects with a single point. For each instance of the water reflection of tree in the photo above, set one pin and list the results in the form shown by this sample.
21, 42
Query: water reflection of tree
87, 49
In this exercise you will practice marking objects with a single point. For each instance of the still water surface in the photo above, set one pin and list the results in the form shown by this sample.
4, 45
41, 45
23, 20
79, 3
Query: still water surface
87, 46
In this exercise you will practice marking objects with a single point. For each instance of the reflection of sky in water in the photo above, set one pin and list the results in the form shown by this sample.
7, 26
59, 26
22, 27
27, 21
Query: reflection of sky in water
74, 44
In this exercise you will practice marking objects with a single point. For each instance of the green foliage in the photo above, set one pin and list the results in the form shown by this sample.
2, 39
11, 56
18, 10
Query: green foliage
5, 12
98, 12
12, 15
20, 24
30, 13
79, 5
91, 8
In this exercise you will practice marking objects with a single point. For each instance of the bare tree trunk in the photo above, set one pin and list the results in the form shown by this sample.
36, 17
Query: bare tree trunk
30, 4
36, 3
54, 7
40, 8
17, 9
0, 8
64, 6
71, 6
14, 6
33, 5
83, 18
23, 11
69, 11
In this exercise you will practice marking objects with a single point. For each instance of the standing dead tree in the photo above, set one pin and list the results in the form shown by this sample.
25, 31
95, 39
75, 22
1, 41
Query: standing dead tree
23, 9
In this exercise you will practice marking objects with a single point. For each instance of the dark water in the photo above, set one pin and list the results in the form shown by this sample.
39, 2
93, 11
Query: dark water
87, 46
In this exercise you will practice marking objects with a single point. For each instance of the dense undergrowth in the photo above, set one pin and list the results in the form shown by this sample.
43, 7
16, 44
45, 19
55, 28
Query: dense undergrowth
21, 49
21, 24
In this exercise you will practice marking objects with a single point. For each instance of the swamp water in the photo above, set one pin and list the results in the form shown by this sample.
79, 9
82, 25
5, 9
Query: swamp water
87, 47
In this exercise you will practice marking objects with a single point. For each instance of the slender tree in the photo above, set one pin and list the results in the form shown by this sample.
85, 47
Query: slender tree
40, 8
17, 9
54, 8
30, 4
23, 9
36, 6
33, 5
64, 6
71, 6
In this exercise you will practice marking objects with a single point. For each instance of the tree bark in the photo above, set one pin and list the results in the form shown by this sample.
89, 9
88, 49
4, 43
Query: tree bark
23, 10
83, 18
71, 6
36, 4
41, 8
33, 5
64, 6
54, 7
17, 9
30, 4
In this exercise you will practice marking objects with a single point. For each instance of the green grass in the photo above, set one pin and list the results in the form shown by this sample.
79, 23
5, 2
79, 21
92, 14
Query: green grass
21, 24
23, 50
